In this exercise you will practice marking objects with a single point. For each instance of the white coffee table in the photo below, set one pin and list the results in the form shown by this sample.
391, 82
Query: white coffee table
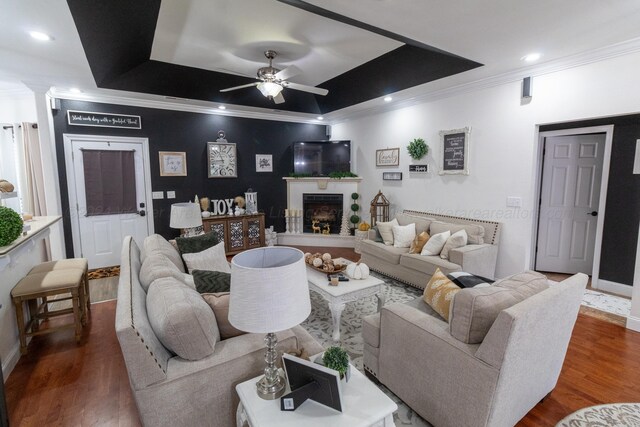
338, 296
364, 405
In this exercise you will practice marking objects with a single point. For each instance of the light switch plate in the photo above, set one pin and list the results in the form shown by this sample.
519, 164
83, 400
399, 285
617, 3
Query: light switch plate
171, 194
514, 202
157, 195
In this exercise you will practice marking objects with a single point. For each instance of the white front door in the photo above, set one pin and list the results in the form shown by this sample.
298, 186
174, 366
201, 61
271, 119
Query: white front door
569, 199
98, 226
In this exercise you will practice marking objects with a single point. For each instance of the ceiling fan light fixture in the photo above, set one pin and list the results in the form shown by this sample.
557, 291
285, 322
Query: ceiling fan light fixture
269, 89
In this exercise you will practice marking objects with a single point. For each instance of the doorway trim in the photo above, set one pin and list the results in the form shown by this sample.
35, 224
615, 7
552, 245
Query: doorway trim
68, 138
608, 131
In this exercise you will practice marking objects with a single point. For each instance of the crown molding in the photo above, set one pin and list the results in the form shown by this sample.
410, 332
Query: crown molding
426, 95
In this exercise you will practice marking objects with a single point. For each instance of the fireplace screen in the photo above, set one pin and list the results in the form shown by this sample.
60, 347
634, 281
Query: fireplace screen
322, 213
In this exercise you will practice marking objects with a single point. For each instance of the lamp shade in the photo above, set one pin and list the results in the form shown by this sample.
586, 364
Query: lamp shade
269, 289
269, 89
185, 215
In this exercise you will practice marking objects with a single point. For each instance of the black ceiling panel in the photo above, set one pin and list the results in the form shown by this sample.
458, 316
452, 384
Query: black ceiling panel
117, 37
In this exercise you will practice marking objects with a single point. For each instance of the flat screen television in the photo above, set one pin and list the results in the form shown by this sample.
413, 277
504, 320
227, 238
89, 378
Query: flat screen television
320, 158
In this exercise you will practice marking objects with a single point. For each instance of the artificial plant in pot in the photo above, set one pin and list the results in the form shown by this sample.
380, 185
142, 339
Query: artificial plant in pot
336, 358
418, 148
10, 225
355, 207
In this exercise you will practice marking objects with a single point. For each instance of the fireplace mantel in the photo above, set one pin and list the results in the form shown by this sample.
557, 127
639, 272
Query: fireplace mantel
322, 182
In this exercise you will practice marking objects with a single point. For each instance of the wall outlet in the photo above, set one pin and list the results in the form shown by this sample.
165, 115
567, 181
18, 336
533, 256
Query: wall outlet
171, 194
514, 202
157, 195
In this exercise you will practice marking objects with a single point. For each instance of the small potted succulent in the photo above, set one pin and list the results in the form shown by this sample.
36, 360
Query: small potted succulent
336, 358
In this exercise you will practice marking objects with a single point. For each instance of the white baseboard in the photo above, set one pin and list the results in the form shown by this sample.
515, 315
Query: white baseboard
11, 361
633, 323
613, 287
316, 239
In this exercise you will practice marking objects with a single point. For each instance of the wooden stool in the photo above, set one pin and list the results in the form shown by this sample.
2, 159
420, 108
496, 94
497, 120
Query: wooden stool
43, 285
65, 264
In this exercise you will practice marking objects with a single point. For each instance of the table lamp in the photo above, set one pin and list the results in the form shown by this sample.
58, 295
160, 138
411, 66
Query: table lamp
185, 216
269, 293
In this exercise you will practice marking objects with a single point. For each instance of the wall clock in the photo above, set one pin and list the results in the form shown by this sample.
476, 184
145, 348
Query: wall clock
222, 160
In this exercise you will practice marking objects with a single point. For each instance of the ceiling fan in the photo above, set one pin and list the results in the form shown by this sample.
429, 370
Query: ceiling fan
273, 80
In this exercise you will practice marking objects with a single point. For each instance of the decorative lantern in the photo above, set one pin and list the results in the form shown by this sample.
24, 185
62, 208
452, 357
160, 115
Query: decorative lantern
379, 209
251, 199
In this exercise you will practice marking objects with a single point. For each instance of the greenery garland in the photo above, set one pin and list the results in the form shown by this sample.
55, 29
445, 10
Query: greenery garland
10, 225
417, 148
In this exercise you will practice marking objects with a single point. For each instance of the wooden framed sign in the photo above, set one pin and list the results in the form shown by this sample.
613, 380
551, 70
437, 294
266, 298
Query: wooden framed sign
103, 120
454, 151
388, 157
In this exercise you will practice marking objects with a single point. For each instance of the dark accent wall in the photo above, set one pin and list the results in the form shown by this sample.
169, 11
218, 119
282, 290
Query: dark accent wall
622, 217
184, 131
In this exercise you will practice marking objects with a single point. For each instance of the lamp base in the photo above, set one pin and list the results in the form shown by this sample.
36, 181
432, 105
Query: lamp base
271, 391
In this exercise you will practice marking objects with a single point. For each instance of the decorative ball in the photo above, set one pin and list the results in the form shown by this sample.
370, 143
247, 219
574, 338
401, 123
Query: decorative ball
10, 225
328, 266
6, 186
317, 262
326, 256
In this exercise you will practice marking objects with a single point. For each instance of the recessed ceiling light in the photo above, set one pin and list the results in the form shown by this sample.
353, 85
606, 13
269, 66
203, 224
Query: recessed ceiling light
320, 118
222, 107
75, 90
387, 99
40, 36
531, 57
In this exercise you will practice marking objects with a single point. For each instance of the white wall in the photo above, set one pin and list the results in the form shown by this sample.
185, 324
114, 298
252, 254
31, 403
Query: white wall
17, 108
503, 145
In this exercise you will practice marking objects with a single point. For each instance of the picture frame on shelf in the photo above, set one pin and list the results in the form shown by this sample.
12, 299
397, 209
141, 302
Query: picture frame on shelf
388, 157
222, 160
173, 163
392, 176
454, 151
264, 163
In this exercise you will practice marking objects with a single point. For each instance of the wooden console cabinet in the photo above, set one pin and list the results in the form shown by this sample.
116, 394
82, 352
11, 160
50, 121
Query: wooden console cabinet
238, 232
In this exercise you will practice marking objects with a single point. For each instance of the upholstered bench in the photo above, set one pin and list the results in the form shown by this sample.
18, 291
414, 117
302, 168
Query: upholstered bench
36, 286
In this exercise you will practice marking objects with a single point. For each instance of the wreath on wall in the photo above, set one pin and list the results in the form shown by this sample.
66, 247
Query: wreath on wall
418, 148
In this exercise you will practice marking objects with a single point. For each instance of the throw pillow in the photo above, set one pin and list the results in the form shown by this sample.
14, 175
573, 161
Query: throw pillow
456, 240
378, 237
219, 303
189, 245
418, 243
468, 280
435, 244
475, 232
157, 243
439, 293
403, 235
386, 230
181, 319
208, 282
213, 259
156, 266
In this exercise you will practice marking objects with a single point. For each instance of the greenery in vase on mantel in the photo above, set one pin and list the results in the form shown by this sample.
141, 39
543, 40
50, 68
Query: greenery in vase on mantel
333, 175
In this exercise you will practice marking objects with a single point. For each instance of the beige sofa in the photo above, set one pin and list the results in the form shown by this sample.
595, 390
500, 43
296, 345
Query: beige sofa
171, 391
494, 382
478, 257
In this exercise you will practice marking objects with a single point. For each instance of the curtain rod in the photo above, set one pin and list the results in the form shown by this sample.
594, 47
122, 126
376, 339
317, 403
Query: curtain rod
33, 125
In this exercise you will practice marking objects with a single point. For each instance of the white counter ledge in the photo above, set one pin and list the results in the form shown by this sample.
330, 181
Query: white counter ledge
39, 230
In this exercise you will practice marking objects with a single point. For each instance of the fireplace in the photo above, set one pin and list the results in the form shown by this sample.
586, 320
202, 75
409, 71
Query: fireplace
322, 211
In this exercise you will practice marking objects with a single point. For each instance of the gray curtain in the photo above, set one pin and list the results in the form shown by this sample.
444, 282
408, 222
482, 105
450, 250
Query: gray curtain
109, 181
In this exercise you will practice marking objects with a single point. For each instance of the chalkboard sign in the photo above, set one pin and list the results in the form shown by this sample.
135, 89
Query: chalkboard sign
105, 120
454, 151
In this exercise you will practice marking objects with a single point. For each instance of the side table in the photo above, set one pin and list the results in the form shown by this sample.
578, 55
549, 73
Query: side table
364, 406
359, 237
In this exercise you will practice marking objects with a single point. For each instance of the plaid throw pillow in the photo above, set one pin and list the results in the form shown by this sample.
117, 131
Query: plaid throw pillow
468, 280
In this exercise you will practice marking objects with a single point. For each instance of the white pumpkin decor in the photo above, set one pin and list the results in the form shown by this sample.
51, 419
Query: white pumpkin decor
358, 271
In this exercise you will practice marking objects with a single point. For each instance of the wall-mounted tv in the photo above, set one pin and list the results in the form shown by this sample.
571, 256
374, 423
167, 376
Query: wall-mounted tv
320, 158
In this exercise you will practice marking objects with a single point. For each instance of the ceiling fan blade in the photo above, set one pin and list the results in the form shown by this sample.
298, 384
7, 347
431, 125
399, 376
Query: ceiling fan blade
239, 87
288, 72
305, 88
278, 99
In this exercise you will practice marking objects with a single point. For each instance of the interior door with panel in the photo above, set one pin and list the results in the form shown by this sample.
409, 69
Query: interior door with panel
108, 196
569, 199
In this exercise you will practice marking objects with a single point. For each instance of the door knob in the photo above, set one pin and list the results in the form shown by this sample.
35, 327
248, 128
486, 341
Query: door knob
594, 213
142, 212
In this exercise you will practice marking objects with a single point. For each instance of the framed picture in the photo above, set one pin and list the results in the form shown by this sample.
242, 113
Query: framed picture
454, 151
173, 163
264, 163
222, 160
388, 157
392, 176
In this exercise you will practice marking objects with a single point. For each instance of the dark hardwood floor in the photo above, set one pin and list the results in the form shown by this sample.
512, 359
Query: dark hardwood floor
61, 383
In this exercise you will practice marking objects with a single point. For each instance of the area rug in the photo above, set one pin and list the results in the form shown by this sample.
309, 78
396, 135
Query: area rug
605, 302
101, 273
614, 414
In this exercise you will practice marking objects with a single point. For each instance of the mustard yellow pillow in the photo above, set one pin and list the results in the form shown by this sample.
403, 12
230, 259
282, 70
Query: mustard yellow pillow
439, 293
417, 244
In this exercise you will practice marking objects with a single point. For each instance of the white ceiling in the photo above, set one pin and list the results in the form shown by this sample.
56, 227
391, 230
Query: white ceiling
230, 35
